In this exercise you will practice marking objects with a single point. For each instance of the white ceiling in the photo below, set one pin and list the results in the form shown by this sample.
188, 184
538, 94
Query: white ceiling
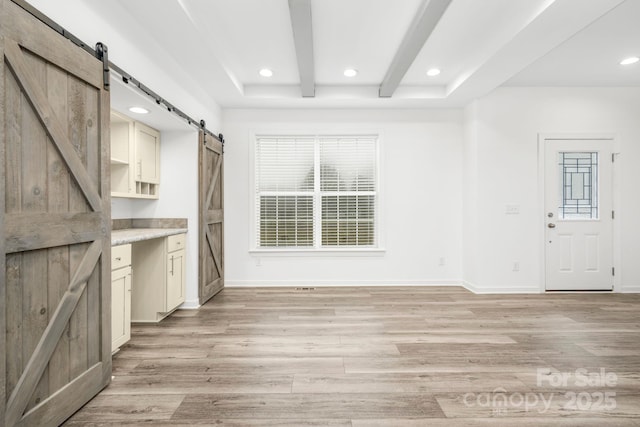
220, 45
124, 96
592, 57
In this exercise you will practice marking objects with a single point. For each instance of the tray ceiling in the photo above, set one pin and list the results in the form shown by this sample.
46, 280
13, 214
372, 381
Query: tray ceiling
220, 46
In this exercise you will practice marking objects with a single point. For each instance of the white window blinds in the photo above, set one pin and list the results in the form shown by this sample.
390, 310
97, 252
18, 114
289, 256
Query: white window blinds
285, 184
316, 192
347, 187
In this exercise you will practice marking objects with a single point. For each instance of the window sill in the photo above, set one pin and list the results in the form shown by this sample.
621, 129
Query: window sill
293, 252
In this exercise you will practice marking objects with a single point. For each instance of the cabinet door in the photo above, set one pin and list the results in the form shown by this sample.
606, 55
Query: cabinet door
147, 142
175, 279
120, 307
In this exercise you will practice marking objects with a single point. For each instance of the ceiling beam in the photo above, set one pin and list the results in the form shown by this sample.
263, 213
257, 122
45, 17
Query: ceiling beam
300, 11
423, 24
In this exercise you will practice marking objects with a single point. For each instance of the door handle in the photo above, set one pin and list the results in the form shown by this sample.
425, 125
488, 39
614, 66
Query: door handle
551, 225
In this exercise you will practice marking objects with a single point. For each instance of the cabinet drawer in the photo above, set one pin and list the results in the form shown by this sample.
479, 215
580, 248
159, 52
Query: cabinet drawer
176, 242
120, 256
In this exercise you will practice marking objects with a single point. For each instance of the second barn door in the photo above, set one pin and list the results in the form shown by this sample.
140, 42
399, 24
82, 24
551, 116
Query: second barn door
211, 206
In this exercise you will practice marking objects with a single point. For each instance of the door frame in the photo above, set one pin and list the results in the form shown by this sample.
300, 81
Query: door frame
615, 195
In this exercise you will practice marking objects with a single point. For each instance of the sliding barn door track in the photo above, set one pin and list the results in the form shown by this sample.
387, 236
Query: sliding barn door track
100, 52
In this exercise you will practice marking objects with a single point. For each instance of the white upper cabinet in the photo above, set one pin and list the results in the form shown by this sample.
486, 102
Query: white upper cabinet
122, 180
147, 154
135, 158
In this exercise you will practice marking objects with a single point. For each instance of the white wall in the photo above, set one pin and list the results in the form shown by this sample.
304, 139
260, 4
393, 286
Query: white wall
470, 226
421, 184
498, 154
501, 167
178, 198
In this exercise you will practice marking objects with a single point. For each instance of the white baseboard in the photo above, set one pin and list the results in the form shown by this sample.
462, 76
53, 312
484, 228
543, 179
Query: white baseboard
516, 290
190, 304
334, 283
195, 304
469, 286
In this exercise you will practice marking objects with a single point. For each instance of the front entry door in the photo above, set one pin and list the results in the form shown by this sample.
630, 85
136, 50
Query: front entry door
578, 214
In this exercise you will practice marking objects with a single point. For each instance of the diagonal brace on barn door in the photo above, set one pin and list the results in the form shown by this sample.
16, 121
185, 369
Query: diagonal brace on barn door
47, 116
216, 258
46, 346
214, 181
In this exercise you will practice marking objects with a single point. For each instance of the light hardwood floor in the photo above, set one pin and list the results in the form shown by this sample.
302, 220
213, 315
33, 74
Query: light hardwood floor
437, 356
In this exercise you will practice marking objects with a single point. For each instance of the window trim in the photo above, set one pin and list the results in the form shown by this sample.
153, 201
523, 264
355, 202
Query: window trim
340, 251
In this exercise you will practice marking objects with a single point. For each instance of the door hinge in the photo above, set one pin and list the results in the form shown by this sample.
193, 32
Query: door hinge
613, 157
613, 214
613, 271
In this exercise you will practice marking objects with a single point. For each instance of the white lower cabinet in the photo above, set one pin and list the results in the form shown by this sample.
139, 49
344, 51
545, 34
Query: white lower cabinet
175, 279
120, 295
160, 282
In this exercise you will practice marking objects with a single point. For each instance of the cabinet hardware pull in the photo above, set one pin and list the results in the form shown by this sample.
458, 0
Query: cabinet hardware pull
118, 258
171, 265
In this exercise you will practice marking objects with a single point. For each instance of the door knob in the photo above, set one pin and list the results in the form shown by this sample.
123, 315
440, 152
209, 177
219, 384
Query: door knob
551, 225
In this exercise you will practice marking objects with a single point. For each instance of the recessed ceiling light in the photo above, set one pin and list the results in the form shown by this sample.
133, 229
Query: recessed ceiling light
138, 110
630, 60
350, 72
433, 72
265, 72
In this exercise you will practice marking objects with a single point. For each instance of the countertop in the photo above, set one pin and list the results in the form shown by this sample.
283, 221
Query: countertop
130, 235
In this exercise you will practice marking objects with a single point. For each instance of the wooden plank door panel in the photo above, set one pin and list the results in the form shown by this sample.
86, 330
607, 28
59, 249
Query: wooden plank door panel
55, 317
211, 226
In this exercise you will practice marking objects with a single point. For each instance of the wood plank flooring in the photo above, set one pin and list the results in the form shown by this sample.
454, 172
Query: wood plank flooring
381, 357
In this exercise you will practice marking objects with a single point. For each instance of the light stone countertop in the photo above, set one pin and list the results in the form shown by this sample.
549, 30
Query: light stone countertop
130, 235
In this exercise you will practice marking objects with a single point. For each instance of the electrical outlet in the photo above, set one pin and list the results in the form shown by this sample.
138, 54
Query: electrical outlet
516, 266
441, 261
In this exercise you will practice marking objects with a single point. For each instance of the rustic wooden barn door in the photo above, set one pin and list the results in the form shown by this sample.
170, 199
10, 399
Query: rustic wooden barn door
55, 298
211, 275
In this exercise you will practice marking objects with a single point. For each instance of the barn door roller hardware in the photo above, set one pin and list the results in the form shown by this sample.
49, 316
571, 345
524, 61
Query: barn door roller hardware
219, 137
102, 53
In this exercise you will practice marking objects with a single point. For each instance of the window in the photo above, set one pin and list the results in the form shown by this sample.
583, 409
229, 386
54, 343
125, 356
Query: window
579, 185
316, 192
